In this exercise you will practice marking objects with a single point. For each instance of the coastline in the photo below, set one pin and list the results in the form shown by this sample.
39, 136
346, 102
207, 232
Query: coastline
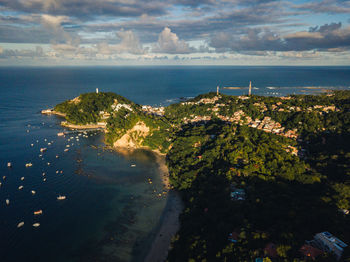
169, 223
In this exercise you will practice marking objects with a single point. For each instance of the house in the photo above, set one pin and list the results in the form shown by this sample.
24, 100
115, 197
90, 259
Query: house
233, 237
270, 250
310, 251
329, 243
237, 193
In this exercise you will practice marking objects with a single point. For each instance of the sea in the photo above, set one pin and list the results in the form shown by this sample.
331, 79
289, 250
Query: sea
111, 211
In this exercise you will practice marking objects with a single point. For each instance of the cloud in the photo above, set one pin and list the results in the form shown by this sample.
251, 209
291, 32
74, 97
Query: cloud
326, 6
328, 36
169, 42
87, 8
129, 43
23, 53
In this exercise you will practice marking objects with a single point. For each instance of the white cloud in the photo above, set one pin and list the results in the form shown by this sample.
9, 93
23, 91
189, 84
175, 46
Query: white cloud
169, 42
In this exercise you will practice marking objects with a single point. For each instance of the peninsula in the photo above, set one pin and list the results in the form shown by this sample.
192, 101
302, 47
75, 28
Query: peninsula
261, 178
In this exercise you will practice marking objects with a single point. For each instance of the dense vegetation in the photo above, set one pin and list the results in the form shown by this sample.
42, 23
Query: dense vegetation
288, 197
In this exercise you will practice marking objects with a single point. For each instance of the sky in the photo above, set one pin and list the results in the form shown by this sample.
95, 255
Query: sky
174, 32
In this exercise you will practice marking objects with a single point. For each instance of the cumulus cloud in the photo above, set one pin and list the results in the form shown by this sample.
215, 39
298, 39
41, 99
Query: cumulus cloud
129, 43
23, 53
169, 42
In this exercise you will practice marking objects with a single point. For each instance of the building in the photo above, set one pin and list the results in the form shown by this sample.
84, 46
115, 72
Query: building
329, 243
310, 251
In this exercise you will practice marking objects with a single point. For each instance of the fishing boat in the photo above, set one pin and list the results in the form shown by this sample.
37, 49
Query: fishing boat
29, 164
61, 197
22, 178
36, 224
20, 187
39, 212
66, 150
20, 224
7, 201
33, 192
60, 134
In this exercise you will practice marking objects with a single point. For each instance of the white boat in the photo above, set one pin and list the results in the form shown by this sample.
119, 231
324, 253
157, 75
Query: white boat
67, 145
43, 149
66, 150
7, 201
22, 178
44, 179
20, 187
20, 224
61, 197
36, 224
133, 165
9, 164
39, 212
48, 163
3, 177
33, 192
0, 184
29, 164
60, 134
31, 145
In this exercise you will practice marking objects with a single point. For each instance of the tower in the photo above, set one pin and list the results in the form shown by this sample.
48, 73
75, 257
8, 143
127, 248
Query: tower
250, 88
96, 90
217, 90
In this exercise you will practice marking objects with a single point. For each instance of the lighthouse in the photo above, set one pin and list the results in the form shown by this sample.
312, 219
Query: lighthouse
217, 90
250, 88
96, 90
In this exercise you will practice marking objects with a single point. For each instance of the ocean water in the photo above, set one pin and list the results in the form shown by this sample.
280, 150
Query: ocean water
111, 212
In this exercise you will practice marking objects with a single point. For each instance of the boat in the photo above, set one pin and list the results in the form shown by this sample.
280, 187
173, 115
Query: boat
20, 224
0, 184
60, 134
22, 178
66, 150
44, 179
7, 201
20, 187
133, 165
61, 197
29, 164
36, 224
38, 212
9, 164
43, 149
3, 177
33, 192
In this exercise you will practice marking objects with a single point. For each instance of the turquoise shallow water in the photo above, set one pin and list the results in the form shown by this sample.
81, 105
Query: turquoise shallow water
111, 213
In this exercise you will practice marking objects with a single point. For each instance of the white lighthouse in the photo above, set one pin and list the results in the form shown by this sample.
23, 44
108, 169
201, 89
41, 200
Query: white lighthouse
250, 88
96, 90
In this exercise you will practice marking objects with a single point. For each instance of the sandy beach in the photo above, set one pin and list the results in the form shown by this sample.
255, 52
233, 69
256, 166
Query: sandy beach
170, 223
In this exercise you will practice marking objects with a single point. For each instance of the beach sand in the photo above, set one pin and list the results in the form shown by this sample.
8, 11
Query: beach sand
170, 222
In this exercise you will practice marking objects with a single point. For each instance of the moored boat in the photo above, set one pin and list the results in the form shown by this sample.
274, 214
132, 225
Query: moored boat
36, 224
20, 224
61, 197
38, 212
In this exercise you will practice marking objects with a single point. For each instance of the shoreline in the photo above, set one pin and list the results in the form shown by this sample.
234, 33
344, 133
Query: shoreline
169, 223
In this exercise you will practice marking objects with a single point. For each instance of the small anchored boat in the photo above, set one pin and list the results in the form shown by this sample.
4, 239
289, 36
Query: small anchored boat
36, 224
61, 197
7, 201
20, 224
39, 212
20, 187
29, 164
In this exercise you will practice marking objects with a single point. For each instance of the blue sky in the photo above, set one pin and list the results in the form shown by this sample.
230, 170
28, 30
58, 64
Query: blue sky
174, 32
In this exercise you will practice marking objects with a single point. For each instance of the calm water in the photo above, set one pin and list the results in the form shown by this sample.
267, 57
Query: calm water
111, 213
